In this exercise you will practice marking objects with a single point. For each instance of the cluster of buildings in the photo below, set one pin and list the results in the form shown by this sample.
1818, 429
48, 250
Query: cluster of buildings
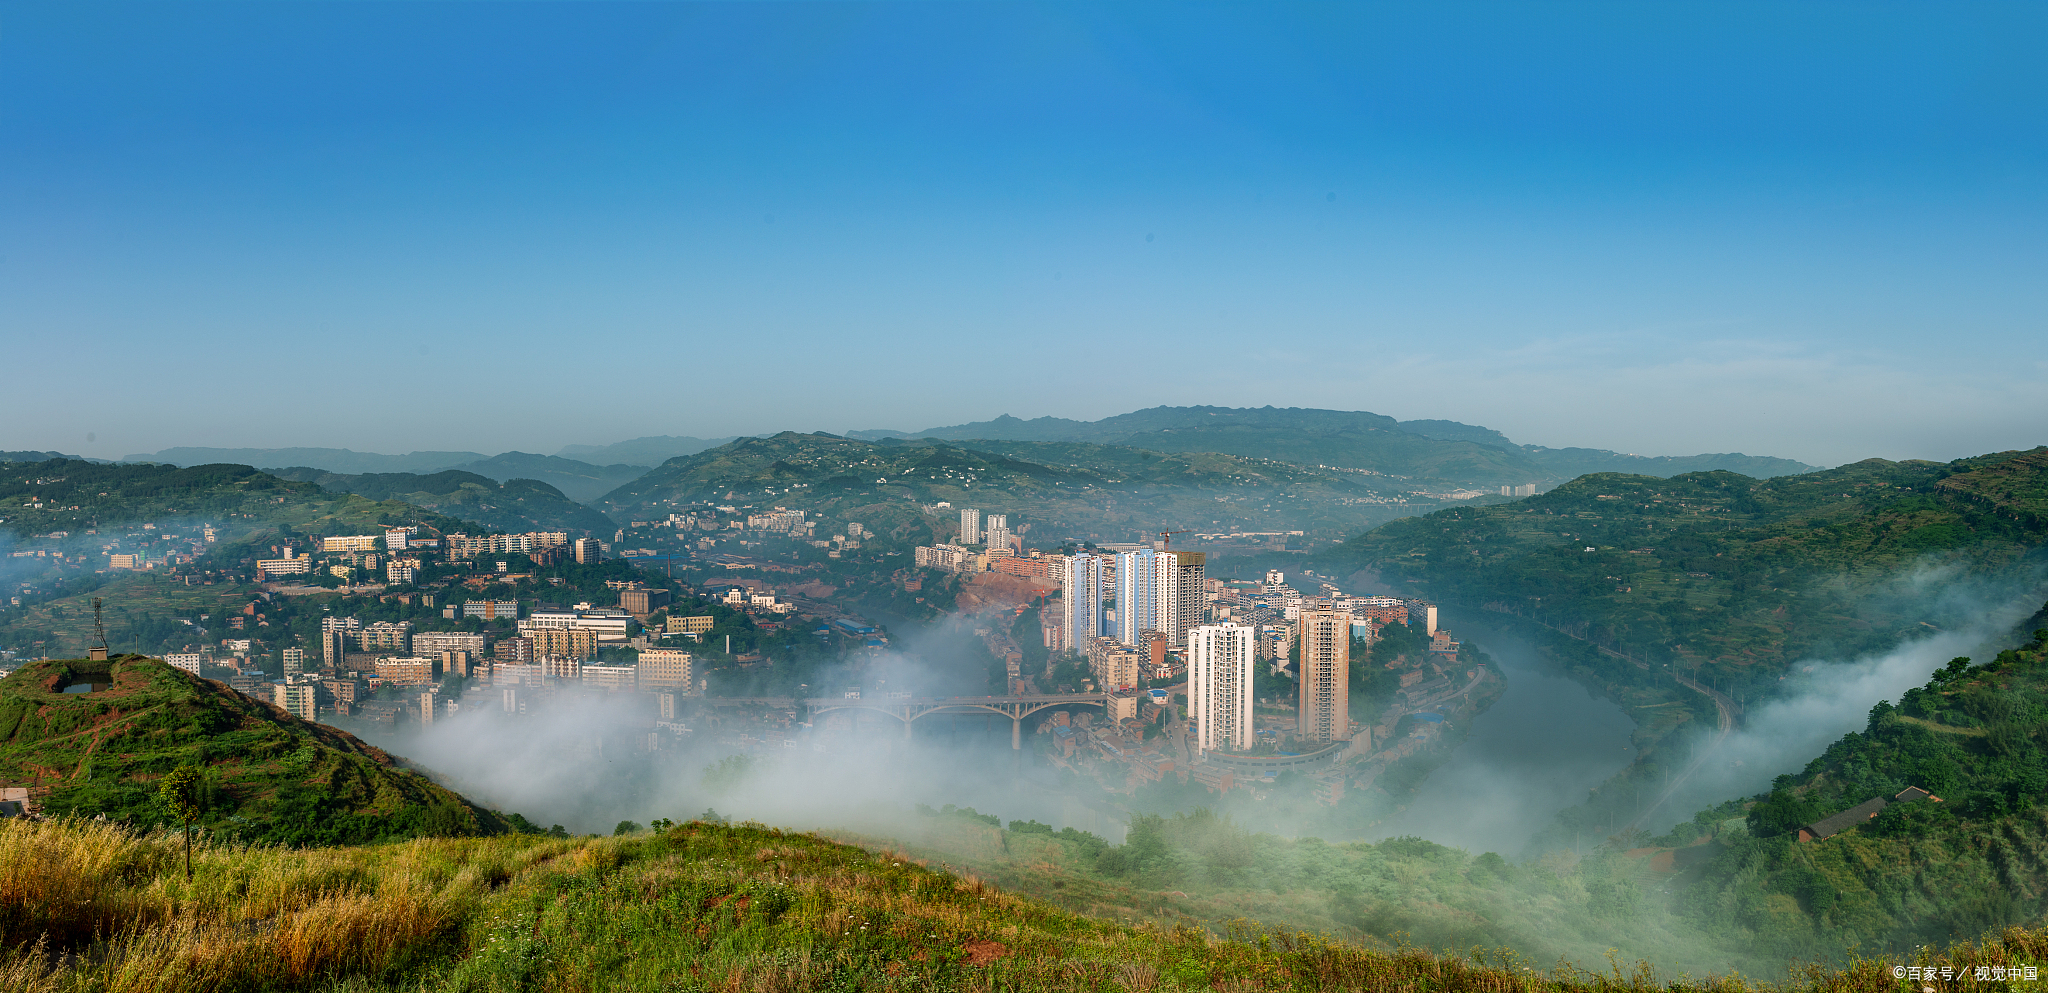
400, 552
1137, 612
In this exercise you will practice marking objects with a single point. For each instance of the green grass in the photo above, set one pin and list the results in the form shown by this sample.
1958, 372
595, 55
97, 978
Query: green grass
699, 906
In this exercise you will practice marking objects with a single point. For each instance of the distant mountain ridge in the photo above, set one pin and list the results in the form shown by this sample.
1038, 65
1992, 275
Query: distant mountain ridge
649, 451
1428, 449
579, 481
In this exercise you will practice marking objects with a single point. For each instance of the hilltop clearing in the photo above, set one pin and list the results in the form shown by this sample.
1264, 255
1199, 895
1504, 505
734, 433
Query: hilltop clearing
269, 776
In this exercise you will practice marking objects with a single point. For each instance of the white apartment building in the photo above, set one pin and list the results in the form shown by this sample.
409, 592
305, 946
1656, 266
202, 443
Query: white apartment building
609, 625
951, 558
970, 527
1220, 660
349, 543
433, 643
188, 661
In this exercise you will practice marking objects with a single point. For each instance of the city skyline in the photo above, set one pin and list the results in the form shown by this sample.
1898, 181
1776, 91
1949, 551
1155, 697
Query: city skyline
1781, 231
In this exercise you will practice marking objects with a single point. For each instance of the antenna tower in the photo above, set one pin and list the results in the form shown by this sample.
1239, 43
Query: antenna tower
98, 652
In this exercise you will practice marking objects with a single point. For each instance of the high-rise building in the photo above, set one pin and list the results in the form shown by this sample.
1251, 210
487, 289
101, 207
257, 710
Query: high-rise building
436, 642
1193, 581
1081, 601
1148, 585
970, 527
294, 662
1325, 673
299, 699
995, 535
589, 551
1220, 660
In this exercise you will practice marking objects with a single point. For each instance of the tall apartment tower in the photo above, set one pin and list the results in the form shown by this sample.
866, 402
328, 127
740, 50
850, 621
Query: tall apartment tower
1325, 713
1189, 592
1220, 660
294, 661
1081, 600
589, 551
970, 527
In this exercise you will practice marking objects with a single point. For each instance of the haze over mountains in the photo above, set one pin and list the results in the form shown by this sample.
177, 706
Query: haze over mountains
1448, 453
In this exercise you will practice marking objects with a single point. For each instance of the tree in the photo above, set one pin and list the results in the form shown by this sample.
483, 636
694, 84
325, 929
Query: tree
625, 828
179, 792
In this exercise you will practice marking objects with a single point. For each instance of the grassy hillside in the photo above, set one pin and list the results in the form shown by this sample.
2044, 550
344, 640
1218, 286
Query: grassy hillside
269, 776
696, 906
1726, 576
1076, 488
515, 506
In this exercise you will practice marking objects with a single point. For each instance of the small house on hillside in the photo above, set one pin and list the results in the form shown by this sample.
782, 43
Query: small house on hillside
1828, 827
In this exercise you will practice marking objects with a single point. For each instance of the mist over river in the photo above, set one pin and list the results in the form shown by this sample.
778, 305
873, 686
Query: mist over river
1537, 750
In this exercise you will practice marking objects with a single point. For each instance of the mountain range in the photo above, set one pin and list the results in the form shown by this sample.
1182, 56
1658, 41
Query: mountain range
1447, 451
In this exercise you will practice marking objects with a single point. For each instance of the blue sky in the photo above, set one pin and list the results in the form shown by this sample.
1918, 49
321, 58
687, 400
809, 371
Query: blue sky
1810, 230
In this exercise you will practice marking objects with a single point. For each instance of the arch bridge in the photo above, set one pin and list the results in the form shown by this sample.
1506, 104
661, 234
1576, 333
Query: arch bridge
909, 709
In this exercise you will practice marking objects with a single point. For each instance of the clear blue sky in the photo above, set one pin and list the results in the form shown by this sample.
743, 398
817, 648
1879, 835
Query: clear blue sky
1810, 230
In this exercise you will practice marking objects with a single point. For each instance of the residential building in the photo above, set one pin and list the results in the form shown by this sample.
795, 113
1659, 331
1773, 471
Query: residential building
395, 636
664, 667
518, 651
286, 566
301, 700
951, 558
1082, 593
1114, 664
610, 625
1220, 661
399, 575
589, 551
1190, 596
640, 603
491, 610
995, 530
433, 643
456, 663
409, 671
579, 642
1037, 570
294, 661
398, 539
1423, 614
1325, 674
689, 625
970, 527
189, 662
349, 543
560, 667
612, 678
1148, 595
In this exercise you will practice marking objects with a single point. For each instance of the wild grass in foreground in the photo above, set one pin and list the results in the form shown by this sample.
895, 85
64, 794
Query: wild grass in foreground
700, 906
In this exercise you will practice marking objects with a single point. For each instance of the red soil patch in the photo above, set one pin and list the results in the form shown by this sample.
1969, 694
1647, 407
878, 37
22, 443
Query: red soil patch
981, 951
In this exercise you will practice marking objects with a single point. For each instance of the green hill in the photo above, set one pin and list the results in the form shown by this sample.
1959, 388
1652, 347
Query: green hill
330, 459
1073, 488
76, 496
1976, 859
1447, 452
514, 506
1722, 574
270, 777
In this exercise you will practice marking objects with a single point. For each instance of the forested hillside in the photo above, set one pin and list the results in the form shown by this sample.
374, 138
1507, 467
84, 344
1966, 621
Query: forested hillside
514, 506
1726, 576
